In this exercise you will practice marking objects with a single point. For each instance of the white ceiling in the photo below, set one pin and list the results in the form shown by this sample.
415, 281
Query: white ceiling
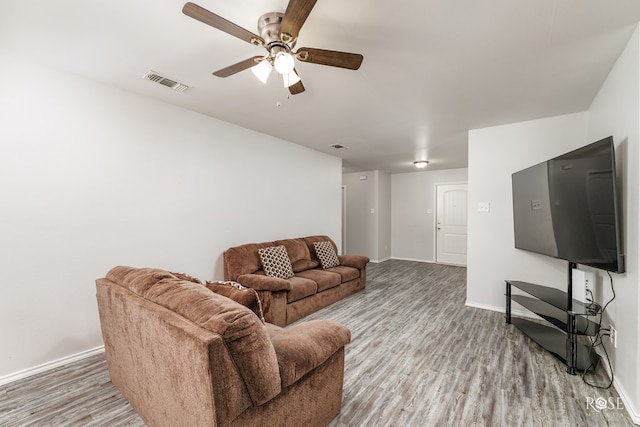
432, 69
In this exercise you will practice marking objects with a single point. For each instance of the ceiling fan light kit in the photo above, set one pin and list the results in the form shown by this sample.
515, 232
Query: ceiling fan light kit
283, 62
262, 70
290, 79
278, 34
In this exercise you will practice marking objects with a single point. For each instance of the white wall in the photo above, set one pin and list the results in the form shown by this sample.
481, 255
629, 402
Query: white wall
361, 224
92, 177
616, 111
413, 208
495, 153
368, 226
384, 215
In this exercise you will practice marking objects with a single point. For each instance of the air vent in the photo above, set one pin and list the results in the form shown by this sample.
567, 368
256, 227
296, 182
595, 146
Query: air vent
338, 146
164, 81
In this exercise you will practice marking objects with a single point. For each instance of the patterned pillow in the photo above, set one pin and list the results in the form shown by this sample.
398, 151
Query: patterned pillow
240, 294
275, 262
326, 254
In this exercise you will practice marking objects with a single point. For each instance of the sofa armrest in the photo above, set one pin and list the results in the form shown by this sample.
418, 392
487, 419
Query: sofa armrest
261, 282
303, 347
357, 261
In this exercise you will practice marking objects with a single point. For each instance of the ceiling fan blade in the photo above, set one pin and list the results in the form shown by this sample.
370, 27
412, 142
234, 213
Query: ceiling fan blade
332, 58
294, 17
236, 68
210, 18
296, 88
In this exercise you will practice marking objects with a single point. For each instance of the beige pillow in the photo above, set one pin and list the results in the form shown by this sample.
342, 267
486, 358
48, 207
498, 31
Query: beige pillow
326, 254
275, 262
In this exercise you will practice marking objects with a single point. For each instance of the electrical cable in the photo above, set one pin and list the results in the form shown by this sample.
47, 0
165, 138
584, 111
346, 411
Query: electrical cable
595, 343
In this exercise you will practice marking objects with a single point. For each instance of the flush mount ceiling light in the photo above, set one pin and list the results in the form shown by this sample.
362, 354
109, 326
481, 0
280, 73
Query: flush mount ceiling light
421, 164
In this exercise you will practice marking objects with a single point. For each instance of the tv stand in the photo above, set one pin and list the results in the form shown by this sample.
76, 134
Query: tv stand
569, 319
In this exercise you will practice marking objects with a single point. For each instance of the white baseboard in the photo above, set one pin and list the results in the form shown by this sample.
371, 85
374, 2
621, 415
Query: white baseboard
631, 410
376, 261
429, 261
6, 379
514, 311
633, 413
413, 259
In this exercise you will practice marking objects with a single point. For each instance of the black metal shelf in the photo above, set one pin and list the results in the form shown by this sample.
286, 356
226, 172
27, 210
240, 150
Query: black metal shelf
555, 316
569, 318
557, 298
555, 342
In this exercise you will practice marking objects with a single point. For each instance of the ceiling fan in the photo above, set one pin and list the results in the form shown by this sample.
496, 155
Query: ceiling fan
278, 34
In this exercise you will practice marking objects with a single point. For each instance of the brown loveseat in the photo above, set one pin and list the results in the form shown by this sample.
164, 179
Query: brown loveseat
311, 288
183, 355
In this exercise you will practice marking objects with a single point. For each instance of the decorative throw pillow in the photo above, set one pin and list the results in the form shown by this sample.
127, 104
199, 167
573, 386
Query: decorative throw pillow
275, 262
187, 277
240, 294
326, 254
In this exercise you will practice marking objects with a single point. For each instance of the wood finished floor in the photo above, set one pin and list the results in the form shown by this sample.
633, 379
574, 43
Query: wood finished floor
418, 357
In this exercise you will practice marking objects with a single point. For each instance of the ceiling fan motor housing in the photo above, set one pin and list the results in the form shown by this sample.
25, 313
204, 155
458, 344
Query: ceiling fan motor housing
269, 30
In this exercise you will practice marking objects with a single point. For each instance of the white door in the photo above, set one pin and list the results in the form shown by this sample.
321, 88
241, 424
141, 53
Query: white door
451, 224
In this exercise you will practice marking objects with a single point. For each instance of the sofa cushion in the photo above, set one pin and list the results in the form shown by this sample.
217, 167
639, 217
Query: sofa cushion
243, 259
299, 254
324, 278
240, 294
296, 248
275, 262
326, 254
301, 288
304, 264
262, 282
244, 335
347, 273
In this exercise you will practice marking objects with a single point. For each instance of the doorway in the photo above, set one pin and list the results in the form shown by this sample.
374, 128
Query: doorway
451, 224
344, 219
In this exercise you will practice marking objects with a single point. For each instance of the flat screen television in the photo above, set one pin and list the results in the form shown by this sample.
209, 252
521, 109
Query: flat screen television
567, 208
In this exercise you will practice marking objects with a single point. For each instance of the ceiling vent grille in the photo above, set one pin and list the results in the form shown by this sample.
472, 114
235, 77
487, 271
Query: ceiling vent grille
152, 76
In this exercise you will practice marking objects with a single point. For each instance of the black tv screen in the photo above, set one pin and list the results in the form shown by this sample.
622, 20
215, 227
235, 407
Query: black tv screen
567, 208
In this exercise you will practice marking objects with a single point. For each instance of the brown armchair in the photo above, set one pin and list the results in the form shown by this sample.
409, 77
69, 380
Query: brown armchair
184, 355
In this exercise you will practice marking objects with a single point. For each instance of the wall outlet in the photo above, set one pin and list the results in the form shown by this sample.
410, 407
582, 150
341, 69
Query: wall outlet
484, 206
613, 336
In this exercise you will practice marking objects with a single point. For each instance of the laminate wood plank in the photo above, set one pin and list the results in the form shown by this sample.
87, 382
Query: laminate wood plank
418, 357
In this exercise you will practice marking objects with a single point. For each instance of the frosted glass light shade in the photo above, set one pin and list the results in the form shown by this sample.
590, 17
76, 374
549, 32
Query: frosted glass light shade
283, 62
262, 70
421, 164
290, 79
